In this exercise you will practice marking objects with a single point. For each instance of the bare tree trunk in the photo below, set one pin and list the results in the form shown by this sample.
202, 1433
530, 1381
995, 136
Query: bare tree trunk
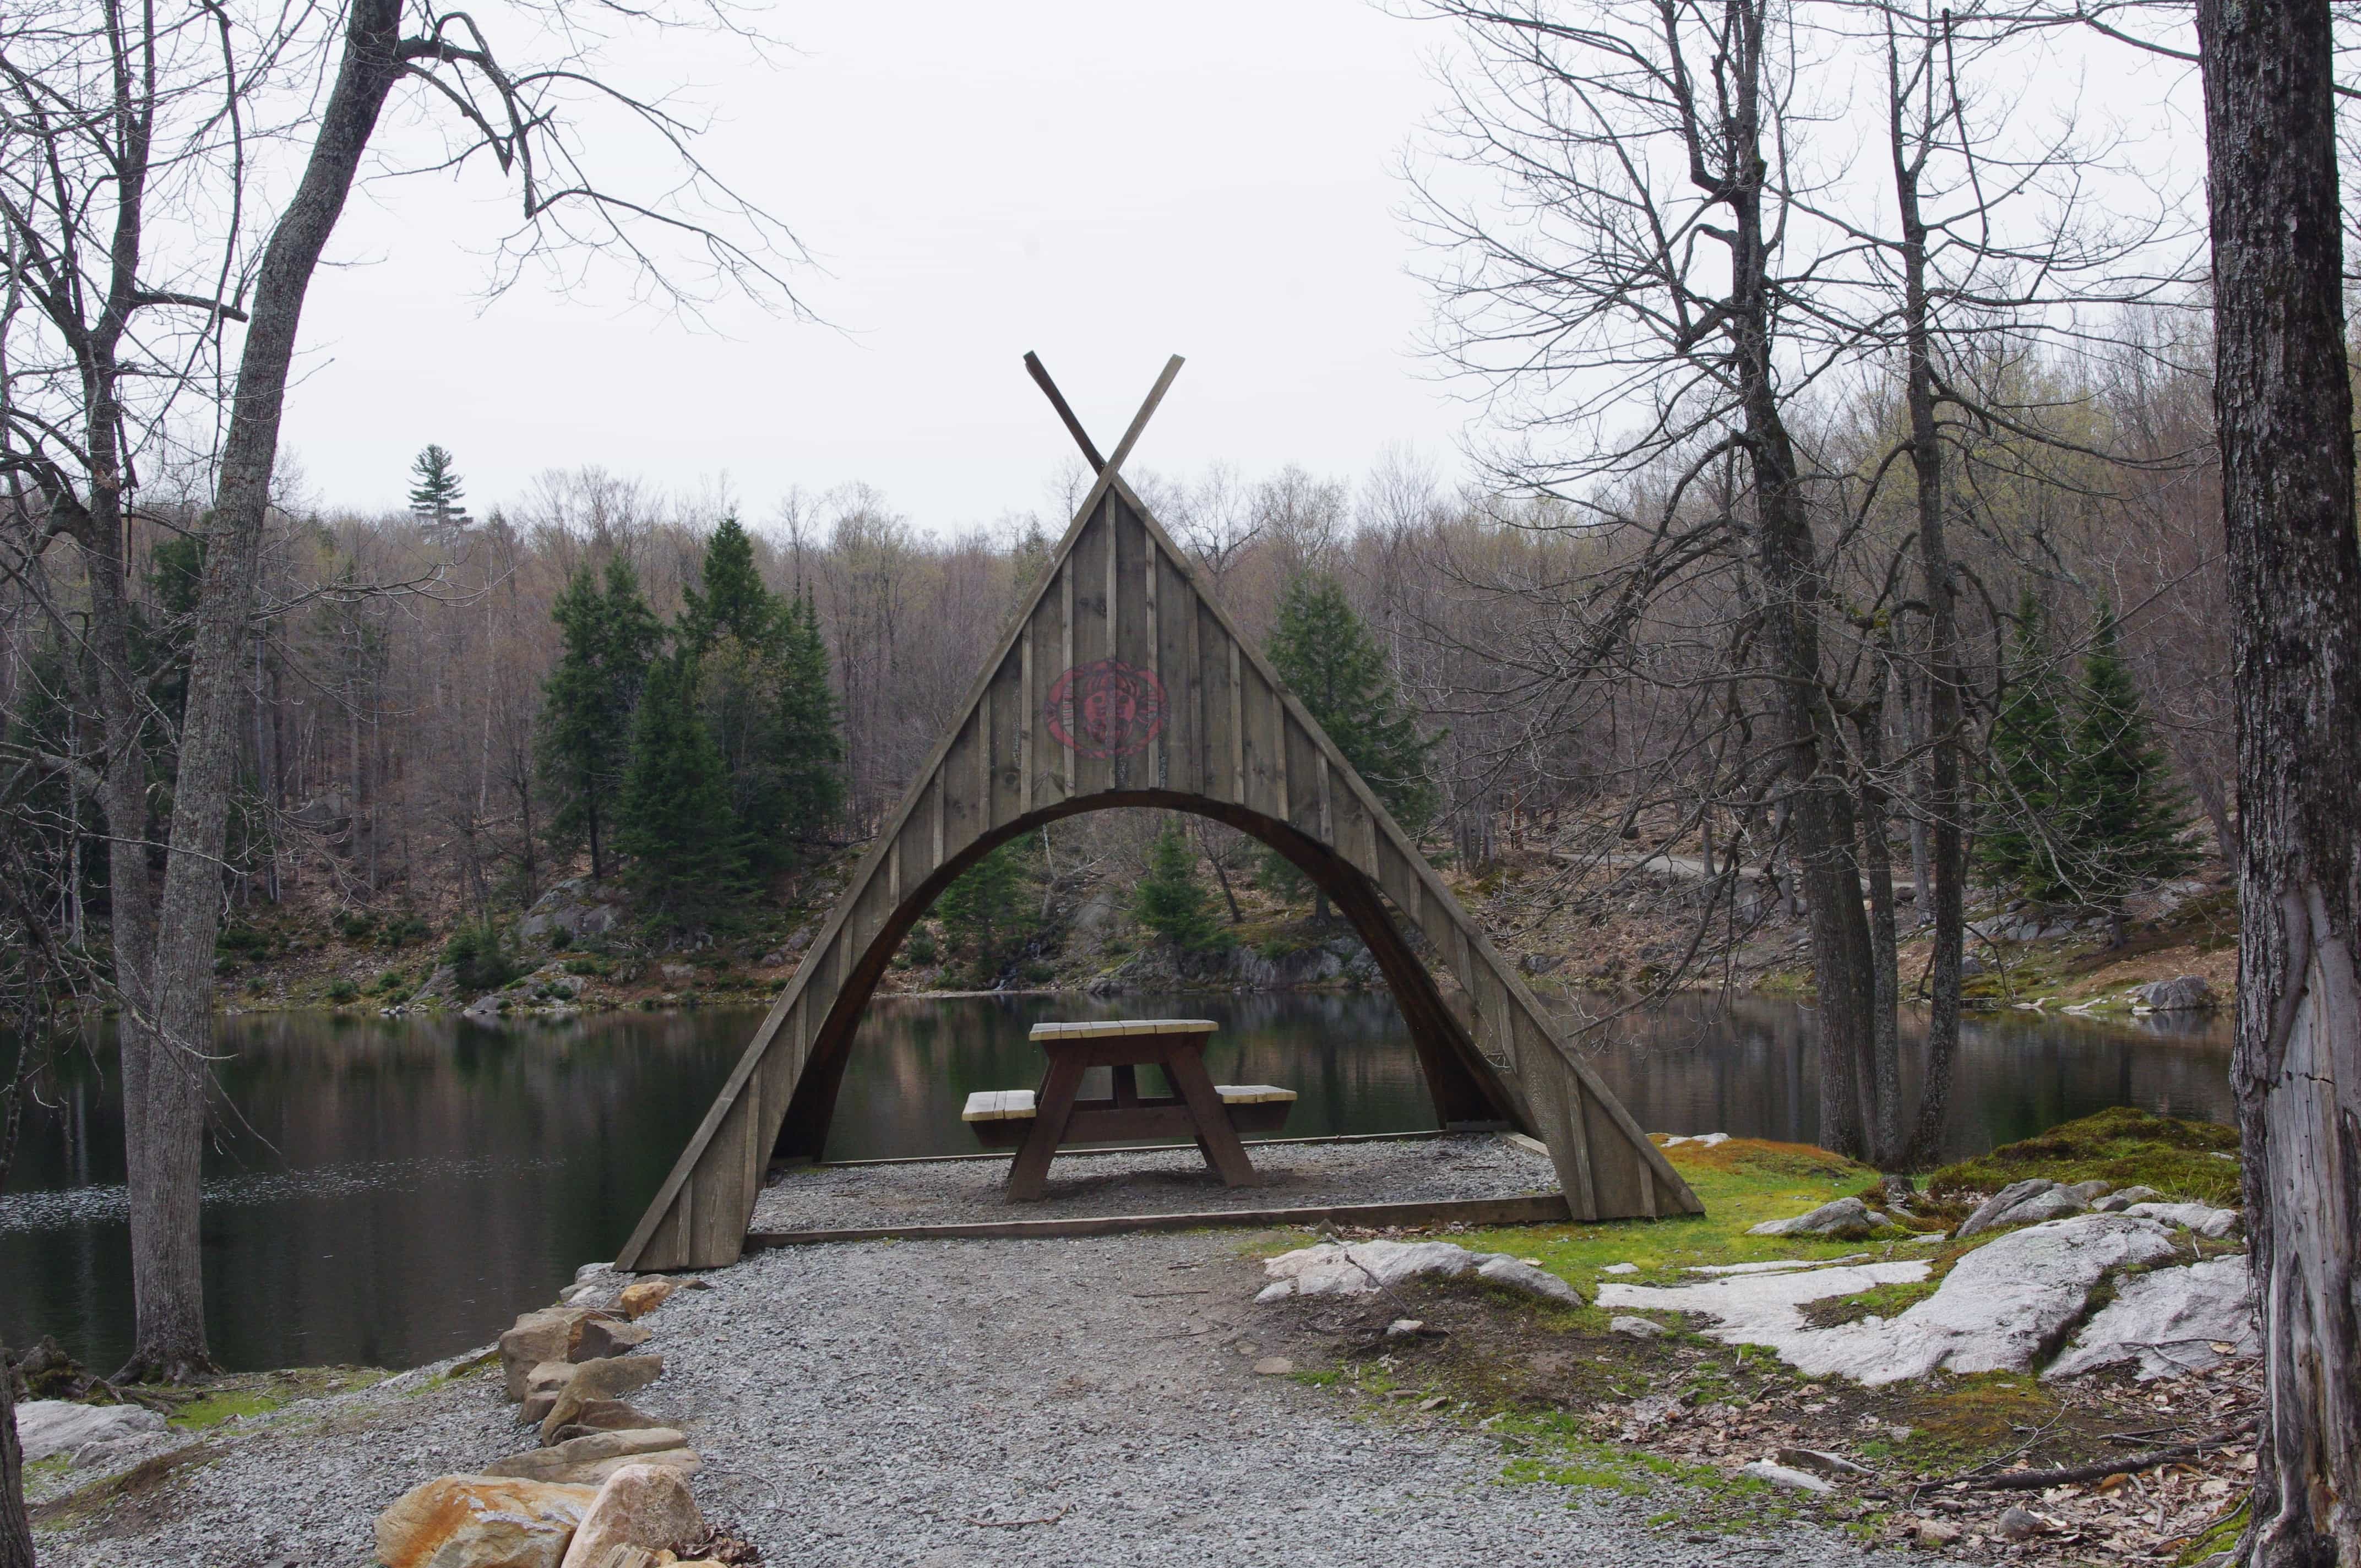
1941, 893
15, 1529
2283, 405
1883, 1113
169, 1120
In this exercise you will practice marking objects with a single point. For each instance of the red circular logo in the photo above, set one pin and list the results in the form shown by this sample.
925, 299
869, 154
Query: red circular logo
1105, 709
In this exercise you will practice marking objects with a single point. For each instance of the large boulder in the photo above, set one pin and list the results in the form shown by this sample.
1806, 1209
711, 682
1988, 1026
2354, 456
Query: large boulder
1847, 1219
2022, 1203
550, 1335
2182, 993
481, 1521
600, 1339
1516, 1273
2170, 1322
574, 1459
642, 1297
46, 1426
645, 1505
608, 1379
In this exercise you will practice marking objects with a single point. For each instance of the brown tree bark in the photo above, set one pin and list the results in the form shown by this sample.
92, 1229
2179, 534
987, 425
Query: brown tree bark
2284, 410
15, 1528
165, 1107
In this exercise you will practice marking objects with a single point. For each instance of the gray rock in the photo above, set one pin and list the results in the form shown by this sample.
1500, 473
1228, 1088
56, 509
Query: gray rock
1360, 1268
1517, 1275
600, 1339
2000, 1307
2022, 1203
2215, 1224
571, 1459
2116, 1203
2168, 1323
484, 1010
2183, 993
2092, 1192
1781, 1475
1404, 1328
1620, 1268
46, 1426
1820, 1463
1843, 1220
677, 974
439, 987
1637, 1328
579, 908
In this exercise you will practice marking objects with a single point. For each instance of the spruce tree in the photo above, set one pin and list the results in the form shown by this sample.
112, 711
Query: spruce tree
688, 856
766, 699
589, 700
2122, 812
435, 497
1171, 900
1328, 658
2019, 840
990, 912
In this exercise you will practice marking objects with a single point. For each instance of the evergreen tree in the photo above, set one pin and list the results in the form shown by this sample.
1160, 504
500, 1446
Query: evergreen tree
1327, 657
2018, 841
589, 700
435, 497
673, 819
990, 912
766, 699
2122, 812
1171, 900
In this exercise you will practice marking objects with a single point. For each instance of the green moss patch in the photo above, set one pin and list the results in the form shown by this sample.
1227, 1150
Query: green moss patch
2125, 1146
209, 1403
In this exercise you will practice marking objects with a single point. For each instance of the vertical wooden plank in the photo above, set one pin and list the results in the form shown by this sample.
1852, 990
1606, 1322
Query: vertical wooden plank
1238, 758
1027, 715
1154, 764
1302, 763
894, 869
1264, 745
1006, 705
1093, 633
1131, 630
1327, 809
1184, 694
935, 810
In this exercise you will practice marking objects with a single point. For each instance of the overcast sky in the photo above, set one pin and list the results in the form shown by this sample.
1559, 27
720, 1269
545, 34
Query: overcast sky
1107, 184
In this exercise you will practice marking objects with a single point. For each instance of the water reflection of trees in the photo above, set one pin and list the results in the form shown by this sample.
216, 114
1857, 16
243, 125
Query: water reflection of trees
1750, 1068
495, 1161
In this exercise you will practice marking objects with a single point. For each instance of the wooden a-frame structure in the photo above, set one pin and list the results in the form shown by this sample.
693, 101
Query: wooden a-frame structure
1121, 682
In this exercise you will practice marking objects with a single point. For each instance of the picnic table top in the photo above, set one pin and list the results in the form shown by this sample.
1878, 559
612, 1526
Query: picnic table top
1111, 1028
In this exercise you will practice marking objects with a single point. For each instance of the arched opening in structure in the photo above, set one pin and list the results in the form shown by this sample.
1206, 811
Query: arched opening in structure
1465, 1092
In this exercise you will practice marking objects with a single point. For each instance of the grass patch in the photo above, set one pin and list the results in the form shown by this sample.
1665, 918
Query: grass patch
1962, 1422
1879, 1301
2125, 1146
259, 1393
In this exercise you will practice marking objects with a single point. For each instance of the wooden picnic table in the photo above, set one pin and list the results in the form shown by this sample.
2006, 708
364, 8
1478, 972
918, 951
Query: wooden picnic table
1198, 1111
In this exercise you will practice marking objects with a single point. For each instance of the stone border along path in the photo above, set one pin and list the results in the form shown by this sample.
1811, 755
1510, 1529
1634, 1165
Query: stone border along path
919, 1402
1410, 1170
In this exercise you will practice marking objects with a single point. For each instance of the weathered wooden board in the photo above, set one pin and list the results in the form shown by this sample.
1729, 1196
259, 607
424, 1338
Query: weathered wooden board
1544, 1211
1121, 682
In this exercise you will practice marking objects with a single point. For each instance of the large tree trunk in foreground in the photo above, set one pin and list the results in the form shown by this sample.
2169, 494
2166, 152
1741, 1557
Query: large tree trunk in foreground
2284, 408
167, 1118
15, 1529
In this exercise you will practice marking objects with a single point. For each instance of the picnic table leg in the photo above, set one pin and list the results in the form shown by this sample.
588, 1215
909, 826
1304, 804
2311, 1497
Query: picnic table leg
1216, 1139
1030, 1170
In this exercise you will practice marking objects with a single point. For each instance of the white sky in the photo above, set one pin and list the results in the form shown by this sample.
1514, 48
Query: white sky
1107, 184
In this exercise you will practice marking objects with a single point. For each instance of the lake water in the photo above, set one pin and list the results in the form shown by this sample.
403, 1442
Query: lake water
388, 1191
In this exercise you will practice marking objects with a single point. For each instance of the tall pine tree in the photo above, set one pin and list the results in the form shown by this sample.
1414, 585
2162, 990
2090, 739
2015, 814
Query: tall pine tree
2018, 839
435, 497
589, 700
688, 855
2123, 811
766, 699
1327, 657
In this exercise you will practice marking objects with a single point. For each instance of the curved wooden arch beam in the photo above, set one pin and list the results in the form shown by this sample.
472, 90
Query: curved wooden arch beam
1121, 682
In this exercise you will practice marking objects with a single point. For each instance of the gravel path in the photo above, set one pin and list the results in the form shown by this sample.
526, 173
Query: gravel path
888, 1403
1131, 1183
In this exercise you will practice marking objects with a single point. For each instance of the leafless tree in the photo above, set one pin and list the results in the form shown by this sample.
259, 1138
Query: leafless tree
149, 320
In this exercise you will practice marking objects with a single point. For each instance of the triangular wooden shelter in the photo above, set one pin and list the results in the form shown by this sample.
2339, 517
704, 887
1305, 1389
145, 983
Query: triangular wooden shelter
1121, 682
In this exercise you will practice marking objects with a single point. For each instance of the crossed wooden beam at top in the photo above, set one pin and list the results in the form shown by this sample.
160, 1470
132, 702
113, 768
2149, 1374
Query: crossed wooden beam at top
1105, 467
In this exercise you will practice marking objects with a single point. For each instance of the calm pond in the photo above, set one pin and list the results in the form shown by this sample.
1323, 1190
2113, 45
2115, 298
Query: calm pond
388, 1191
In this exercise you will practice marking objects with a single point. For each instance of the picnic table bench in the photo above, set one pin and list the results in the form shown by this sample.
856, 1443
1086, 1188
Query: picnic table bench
1211, 1115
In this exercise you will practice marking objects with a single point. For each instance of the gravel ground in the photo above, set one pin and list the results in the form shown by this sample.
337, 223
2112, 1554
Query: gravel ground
914, 1402
1130, 1182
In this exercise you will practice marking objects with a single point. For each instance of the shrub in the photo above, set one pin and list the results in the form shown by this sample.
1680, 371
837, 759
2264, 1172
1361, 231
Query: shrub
390, 980
476, 954
241, 940
355, 925
921, 950
400, 929
341, 991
